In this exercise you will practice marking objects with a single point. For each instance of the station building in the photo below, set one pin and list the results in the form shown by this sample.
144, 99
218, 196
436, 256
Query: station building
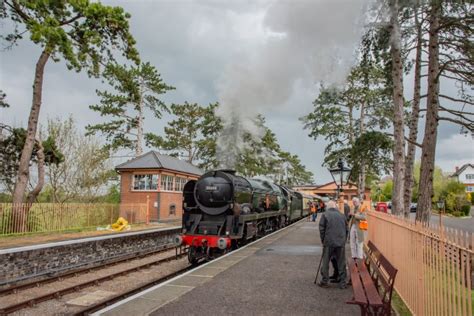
158, 179
329, 190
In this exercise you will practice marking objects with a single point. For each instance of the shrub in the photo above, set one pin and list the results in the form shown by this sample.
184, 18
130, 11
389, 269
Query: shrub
457, 214
466, 209
455, 202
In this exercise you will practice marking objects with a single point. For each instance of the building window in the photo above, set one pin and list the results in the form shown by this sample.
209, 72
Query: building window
145, 182
470, 176
167, 183
172, 209
180, 182
470, 188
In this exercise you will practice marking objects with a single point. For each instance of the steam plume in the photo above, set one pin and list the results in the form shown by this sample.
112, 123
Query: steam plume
305, 41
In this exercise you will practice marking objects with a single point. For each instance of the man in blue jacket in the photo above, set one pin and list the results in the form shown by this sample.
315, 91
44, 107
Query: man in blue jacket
333, 233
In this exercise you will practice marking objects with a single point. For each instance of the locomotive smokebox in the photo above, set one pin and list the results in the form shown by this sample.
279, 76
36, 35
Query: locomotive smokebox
216, 191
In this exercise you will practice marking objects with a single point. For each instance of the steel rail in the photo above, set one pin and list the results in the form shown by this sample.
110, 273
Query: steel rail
74, 288
73, 273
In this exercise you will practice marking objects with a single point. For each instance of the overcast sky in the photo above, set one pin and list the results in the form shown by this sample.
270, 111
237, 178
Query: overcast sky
207, 48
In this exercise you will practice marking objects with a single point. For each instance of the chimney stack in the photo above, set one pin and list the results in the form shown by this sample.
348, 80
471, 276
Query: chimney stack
457, 168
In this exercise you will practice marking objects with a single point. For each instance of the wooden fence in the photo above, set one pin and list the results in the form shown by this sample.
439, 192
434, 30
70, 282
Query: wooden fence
435, 264
56, 217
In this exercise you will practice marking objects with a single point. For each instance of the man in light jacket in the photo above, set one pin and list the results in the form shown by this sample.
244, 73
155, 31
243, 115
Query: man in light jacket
356, 234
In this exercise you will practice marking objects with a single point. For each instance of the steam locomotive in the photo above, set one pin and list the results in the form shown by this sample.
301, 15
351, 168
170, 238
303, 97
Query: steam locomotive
222, 211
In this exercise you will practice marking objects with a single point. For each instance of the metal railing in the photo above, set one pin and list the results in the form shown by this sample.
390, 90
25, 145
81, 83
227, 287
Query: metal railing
435, 264
26, 218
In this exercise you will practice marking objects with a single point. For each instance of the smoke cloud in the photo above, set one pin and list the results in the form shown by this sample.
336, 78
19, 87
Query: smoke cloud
306, 41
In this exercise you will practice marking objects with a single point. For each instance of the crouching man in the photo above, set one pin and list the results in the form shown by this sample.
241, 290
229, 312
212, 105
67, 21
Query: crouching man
333, 233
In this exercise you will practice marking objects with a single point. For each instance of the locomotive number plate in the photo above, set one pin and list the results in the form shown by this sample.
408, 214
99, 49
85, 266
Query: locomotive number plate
211, 188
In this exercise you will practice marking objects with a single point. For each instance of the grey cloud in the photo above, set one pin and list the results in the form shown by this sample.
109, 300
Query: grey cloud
194, 43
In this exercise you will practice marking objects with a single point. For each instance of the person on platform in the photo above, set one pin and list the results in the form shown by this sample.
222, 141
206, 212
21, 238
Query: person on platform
322, 207
333, 233
356, 233
335, 276
347, 211
314, 212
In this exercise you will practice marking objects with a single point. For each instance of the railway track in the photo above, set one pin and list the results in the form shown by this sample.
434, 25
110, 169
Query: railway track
79, 286
57, 294
74, 273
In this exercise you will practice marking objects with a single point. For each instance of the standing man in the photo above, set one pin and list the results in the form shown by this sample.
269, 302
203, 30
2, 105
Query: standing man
356, 233
347, 211
333, 233
314, 211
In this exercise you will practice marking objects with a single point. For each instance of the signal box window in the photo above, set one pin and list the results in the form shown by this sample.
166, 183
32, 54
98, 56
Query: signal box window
145, 182
167, 183
180, 182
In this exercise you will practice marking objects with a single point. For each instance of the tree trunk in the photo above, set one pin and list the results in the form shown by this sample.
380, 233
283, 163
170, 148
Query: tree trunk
398, 126
423, 211
39, 186
351, 125
415, 112
23, 168
139, 143
361, 182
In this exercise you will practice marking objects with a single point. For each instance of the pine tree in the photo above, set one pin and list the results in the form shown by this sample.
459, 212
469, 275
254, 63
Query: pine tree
136, 89
84, 34
343, 114
191, 134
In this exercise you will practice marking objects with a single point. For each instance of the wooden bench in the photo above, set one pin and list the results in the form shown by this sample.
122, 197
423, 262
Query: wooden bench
372, 282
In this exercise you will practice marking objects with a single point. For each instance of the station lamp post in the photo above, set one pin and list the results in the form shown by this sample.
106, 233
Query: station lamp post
340, 176
441, 206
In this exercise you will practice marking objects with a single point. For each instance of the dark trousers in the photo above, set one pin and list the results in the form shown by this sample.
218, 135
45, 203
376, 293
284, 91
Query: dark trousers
314, 216
334, 267
338, 253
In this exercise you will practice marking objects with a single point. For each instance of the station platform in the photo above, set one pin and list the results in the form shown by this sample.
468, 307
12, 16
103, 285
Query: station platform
273, 276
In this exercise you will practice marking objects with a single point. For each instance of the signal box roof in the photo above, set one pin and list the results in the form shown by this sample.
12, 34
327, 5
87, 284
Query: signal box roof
155, 160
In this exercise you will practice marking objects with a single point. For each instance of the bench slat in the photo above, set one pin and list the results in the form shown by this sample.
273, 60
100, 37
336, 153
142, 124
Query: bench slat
372, 294
358, 289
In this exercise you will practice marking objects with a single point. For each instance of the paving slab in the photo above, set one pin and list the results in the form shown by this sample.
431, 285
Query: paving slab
149, 302
271, 277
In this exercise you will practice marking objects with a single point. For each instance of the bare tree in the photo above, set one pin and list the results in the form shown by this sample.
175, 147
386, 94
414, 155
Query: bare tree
86, 166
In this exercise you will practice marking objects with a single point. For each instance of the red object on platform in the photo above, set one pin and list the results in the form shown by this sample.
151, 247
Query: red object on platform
200, 240
381, 207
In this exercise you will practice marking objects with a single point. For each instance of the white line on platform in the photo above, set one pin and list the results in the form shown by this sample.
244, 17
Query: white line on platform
130, 298
201, 276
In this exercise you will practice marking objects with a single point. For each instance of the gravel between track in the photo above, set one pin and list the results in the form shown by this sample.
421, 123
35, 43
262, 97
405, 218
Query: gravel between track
115, 286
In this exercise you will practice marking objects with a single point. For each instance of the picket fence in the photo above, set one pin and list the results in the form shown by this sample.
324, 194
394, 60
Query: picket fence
33, 218
435, 263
